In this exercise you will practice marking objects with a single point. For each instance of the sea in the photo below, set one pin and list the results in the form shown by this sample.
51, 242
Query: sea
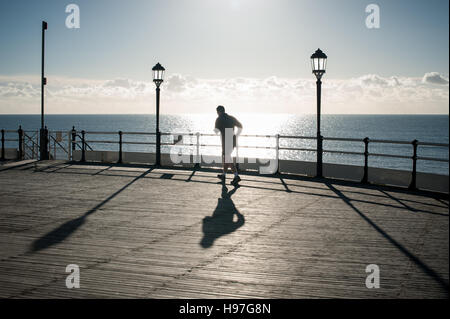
424, 128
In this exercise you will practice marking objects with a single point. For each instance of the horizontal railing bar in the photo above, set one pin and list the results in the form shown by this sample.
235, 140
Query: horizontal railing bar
117, 142
390, 142
390, 155
432, 144
210, 145
207, 134
168, 134
184, 144
193, 144
258, 147
138, 133
210, 134
298, 137
297, 149
259, 135
423, 158
95, 132
138, 143
11, 139
106, 142
342, 152
343, 139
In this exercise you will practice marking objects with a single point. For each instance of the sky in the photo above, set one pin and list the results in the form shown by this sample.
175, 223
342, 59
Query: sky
249, 55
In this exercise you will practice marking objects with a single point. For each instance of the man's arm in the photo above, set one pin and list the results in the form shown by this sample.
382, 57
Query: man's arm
216, 130
238, 125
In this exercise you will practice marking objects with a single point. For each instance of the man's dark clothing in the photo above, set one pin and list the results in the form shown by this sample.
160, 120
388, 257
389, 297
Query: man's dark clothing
223, 122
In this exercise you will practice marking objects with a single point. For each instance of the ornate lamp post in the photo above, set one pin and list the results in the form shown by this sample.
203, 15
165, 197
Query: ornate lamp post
318, 64
158, 75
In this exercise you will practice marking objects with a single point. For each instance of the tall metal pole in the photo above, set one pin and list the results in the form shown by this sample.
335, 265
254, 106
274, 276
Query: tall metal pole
42, 73
43, 131
158, 133
319, 137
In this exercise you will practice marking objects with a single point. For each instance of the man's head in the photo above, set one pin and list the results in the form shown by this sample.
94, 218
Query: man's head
220, 110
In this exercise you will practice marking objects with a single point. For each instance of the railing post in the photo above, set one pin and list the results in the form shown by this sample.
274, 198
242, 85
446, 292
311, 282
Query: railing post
37, 144
120, 147
54, 147
319, 168
277, 152
74, 137
197, 153
20, 132
3, 145
83, 146
365, 178
413, 186
44, 144
73, 140
47, 140
69, 147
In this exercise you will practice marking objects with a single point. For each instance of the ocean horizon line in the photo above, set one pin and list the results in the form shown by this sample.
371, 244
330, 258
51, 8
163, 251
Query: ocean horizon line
253, 113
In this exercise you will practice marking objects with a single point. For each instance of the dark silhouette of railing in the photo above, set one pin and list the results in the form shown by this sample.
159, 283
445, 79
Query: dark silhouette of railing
82, 143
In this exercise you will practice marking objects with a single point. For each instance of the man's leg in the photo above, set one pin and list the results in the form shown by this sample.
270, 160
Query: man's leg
227, 162
234, 167
236, 178
224, 168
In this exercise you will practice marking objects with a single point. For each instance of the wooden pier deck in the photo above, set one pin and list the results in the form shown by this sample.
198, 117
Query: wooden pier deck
142, 232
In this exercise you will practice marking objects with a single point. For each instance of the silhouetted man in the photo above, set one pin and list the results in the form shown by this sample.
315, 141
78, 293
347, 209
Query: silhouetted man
225, 125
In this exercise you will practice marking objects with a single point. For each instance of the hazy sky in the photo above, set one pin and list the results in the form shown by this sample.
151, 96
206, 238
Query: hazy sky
247, 54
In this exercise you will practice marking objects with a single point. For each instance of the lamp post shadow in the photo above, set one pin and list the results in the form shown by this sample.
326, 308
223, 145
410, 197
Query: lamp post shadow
222, 221
65, 230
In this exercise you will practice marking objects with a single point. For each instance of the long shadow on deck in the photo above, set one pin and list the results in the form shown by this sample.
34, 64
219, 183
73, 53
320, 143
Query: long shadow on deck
221, 222
427, 270
265, 185
68, 228
373, 198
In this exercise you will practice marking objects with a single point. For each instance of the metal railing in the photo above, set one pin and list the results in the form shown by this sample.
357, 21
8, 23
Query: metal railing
76, 140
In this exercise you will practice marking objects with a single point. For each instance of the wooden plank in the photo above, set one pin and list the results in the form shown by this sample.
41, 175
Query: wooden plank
139, 232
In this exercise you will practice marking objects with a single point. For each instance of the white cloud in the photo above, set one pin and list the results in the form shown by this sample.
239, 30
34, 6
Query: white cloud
182, 94
434, 78
176, 83
124, 83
